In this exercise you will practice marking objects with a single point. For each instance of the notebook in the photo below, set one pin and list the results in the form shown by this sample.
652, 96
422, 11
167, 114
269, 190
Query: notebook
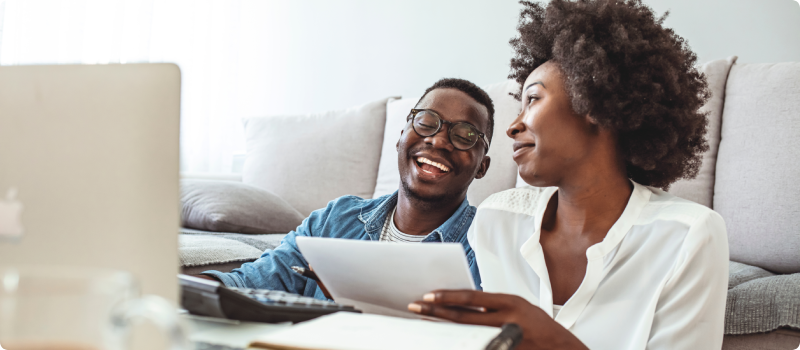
349, 331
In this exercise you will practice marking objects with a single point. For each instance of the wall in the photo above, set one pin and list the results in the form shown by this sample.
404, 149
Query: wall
334, 54
264, 57
320, 55
758, 31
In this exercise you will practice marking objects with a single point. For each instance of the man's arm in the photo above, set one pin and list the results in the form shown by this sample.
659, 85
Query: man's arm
472, 261
473, 268
207, 277
273, 269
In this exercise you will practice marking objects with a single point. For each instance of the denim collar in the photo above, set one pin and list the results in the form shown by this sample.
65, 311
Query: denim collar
449, 231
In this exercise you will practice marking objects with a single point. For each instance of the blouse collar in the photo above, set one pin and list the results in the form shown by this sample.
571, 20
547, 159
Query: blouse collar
531, 251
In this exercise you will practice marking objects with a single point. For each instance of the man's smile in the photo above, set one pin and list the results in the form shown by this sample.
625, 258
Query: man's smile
431, 167
424, 162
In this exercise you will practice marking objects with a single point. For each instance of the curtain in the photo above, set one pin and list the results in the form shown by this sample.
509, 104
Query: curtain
209, 40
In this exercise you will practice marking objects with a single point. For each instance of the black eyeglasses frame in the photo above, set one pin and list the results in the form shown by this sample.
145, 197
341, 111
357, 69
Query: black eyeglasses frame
415, 111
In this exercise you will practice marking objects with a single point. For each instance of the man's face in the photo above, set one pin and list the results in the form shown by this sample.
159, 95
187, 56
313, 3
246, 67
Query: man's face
454, 169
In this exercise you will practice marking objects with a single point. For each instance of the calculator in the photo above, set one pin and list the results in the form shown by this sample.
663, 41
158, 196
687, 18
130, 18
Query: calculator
210, 298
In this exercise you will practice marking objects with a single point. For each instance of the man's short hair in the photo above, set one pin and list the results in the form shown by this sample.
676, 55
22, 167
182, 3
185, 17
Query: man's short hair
470, 89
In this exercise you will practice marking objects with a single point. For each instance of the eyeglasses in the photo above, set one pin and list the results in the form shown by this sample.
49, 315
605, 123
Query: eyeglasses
462, 135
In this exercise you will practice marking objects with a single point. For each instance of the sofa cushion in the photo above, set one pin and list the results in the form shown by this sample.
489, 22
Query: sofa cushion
760, 301
228, 206
701, 188
739, 273
756, 189
502, 174
388, 174
311, 159
502, 171
783, 338
203, 248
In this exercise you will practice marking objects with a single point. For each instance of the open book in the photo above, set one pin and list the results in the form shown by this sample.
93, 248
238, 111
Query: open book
349, 331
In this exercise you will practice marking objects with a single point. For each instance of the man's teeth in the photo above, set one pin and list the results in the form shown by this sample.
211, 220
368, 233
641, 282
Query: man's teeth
438, 165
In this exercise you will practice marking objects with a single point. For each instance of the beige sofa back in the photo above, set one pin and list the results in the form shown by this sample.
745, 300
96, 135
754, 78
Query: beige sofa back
747, 173
701, 188
750, 171
758, 165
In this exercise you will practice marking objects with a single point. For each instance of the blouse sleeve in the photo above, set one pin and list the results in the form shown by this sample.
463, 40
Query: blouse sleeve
690, 313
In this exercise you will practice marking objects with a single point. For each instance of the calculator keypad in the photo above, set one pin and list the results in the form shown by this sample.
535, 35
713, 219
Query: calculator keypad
273, 297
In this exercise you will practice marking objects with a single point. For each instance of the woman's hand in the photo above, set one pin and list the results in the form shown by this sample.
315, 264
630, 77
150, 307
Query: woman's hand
479, 308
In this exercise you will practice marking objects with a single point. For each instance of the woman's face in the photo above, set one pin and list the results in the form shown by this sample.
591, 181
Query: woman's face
551, 141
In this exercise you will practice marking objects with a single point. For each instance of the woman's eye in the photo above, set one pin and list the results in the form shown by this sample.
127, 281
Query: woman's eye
532, 98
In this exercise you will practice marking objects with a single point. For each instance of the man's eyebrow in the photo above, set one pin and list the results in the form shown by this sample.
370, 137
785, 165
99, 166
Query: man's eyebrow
534, 83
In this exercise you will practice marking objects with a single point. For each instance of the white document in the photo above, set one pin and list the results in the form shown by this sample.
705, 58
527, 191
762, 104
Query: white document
383, 277
345, 330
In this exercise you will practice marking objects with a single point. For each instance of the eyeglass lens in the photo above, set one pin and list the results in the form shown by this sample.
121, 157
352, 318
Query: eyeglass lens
463, 136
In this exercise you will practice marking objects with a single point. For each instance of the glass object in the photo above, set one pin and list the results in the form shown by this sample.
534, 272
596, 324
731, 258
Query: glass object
59, 308
462, 135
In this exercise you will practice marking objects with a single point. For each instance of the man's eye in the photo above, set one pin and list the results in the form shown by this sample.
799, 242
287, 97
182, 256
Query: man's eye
462, 139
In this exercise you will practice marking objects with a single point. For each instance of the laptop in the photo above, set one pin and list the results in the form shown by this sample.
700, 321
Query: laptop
89, 169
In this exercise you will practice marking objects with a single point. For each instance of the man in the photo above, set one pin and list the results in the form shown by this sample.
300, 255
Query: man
441, 150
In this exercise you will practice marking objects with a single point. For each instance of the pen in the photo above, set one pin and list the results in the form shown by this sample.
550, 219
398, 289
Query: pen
510, 335
306, 272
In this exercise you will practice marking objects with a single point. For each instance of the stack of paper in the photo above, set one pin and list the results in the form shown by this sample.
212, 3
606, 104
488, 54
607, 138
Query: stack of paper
382, 277
349, 331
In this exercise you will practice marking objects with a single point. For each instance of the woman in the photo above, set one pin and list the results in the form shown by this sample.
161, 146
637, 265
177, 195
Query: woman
597, 255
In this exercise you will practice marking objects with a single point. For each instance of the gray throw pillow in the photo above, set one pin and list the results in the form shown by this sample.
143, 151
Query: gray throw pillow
227, 206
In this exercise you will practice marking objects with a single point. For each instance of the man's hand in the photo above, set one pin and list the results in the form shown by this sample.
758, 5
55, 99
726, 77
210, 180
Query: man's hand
207, 277
321, 286
479, 308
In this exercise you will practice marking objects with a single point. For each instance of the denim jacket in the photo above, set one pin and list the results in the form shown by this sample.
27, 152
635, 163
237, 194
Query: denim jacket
348, 217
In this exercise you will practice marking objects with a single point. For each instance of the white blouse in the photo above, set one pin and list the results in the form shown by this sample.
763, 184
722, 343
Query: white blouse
657, 281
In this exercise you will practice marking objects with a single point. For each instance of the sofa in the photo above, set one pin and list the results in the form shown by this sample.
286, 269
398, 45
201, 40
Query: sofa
748, 175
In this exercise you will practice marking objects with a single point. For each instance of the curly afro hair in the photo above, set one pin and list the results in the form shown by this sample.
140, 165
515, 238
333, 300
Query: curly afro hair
626, 71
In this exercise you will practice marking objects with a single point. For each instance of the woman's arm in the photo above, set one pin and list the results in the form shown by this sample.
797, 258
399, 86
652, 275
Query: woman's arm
690, 313
538, 329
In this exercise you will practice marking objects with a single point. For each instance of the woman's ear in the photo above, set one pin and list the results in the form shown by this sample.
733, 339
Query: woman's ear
592, 120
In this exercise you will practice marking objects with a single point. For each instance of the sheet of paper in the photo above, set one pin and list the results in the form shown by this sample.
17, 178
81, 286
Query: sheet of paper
382, 277
344, 330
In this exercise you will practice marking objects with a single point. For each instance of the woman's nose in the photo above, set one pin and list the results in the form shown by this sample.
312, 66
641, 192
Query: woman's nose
516, 127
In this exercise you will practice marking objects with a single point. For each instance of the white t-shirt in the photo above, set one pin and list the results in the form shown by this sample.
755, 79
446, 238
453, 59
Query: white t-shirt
657, 281
390, 233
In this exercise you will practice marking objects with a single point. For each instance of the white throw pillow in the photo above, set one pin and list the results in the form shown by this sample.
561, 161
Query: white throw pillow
502, 174
309, 160
388, 172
